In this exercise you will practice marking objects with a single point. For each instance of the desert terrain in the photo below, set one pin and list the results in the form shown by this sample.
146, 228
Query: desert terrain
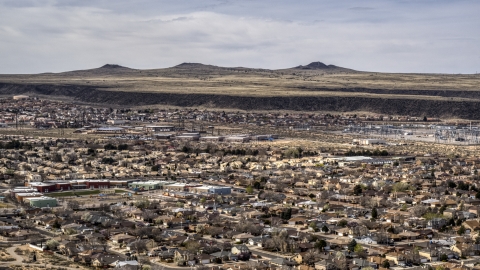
314, 87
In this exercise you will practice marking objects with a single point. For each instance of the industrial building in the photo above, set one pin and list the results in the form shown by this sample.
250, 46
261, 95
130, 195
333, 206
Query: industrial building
372, 141
188, 137
110, 130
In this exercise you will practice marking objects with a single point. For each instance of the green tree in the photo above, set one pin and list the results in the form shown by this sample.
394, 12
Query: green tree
52, 244
249, 190
286, 214
357, 190
458, 222
122, 147
386, 264
325, 229
461, 231
320, 244
358, 248
110, 147
400, 187
443, 257
374, 213
342, 223
352, 245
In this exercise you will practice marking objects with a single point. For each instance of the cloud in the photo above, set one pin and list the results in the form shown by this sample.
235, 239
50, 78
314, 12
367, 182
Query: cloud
361, 8
390, 36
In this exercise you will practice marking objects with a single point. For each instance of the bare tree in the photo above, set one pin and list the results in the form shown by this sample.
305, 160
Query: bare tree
418, 210
73, 205
214, 231
144, 232
311, 257
149, 215
104, 207
192, 246
139, 246
340, 261
367, 202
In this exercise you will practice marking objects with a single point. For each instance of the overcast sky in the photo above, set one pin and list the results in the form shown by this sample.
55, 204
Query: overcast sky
438, 36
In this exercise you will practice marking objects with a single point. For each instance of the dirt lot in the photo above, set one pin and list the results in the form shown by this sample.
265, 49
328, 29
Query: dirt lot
22, 258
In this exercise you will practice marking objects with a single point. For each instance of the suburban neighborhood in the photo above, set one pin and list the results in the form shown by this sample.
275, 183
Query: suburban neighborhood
94, 188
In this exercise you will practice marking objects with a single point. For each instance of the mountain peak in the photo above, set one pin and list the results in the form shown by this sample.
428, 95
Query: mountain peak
317, 65
190, 65
112, 66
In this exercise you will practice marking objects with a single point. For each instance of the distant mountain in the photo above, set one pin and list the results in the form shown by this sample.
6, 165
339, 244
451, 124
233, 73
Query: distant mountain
318, 66
113, 66
107, 69
111, 69
313, 87
194, 65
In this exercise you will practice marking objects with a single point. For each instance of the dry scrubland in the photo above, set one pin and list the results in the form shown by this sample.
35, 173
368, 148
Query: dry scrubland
203, 79
309, 88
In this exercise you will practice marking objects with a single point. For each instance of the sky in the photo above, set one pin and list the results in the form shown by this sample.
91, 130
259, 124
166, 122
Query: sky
425, 36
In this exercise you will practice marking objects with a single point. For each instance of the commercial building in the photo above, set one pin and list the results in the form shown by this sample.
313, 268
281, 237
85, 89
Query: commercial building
116, 121
220, 190
43, 187
22, 196
42, 202
212, 139
217, 190
97, 184
238, 139
175, 187
16, 190
200, 190
149, 185
120, 183
61, 185
160, 128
